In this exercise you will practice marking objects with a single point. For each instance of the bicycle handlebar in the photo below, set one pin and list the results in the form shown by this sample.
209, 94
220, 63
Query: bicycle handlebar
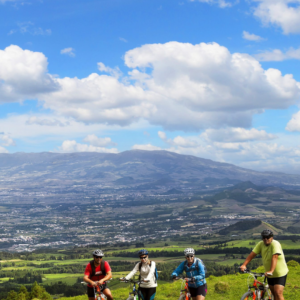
85, 283
132, 281
182, 278
255, 273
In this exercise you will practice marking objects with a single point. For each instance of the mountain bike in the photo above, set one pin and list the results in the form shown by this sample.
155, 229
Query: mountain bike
97, 291
184, 290
257, 290
134, 295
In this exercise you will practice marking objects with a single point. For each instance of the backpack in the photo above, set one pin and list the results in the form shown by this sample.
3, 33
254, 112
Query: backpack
92, 263
155, 272
197, 265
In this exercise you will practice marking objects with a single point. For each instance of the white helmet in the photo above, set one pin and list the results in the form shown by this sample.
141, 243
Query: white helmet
98, 253
189, 251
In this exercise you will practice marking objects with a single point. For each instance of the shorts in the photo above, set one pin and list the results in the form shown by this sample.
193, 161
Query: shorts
200, 290
277, 280
91, 292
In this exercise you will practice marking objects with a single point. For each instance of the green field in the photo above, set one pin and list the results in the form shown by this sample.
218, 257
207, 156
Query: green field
286, 244
237, 286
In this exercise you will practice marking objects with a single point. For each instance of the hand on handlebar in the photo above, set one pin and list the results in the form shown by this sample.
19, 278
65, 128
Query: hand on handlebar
243, 268
267, 274
94, 283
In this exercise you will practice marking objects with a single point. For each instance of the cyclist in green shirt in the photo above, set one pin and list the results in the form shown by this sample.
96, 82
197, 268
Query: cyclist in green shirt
274, 263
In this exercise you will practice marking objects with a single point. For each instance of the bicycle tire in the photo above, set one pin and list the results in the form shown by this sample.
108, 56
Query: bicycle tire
130, 298
182, 297
247, 296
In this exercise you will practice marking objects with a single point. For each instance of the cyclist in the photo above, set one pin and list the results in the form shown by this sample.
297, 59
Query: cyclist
273, 261
97, 272
195, 270
147, 289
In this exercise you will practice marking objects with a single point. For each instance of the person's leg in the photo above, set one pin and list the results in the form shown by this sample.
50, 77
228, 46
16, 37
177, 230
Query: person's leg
151, 293
142, 292
108, 294
278, 292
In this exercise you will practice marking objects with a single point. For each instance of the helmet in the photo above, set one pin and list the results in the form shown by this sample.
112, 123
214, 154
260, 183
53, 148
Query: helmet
267, 233
143, 252
189, 251
98, 253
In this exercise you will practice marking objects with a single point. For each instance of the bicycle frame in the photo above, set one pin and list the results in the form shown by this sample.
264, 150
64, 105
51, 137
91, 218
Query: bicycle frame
260, 290
184, 292
97, 291
134, 295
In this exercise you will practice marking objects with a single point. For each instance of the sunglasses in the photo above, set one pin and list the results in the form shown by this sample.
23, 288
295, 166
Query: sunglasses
189, 256
143, 257
265, 237
98, 257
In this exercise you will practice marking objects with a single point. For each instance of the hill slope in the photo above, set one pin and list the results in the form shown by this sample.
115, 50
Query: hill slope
134, 167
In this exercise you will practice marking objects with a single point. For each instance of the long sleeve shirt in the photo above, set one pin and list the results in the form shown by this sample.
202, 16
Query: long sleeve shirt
147, 273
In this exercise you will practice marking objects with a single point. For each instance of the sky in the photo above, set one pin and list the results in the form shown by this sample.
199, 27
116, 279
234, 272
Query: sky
217, 79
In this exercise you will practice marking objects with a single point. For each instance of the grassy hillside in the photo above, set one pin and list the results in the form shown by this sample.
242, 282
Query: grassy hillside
237, 285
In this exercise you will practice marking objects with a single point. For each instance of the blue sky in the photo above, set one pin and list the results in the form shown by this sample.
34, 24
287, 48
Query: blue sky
217, 79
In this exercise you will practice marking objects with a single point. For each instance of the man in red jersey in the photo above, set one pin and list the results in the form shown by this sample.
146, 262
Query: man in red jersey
97, 272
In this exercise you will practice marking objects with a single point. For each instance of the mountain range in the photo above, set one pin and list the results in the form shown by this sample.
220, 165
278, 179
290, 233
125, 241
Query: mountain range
131, 168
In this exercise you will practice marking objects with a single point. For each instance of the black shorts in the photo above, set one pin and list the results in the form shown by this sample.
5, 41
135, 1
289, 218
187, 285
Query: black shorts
91, 292
277, 280
200, 290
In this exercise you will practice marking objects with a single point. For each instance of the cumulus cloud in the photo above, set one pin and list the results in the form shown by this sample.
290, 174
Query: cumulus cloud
278, 55
227, 135
72, 146
178, 141
23, 75
282, 13
294, 123
220, 3
6, 140
99, 142
68, 51
173, 85
252, 37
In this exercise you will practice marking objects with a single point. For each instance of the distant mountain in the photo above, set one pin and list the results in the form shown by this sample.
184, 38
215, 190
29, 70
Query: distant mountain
148, 169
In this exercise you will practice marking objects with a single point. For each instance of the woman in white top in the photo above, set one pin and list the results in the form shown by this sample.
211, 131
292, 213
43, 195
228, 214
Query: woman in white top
147, 269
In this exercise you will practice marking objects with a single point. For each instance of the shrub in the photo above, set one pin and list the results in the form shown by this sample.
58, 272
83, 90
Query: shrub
221, 287
292, 264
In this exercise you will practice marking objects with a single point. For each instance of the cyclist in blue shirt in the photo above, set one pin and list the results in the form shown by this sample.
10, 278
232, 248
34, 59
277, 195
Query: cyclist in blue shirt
195, 270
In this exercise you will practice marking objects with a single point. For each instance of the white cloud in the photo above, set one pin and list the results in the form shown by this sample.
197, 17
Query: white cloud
45, 121
178, 141
282, 13
252, 37
29, 27
68, 51
23, 75
116, 72
6, 140
278, 55
173, 85
145, 147
72, 146
3, 150
99, 142
294, 123
123, 40
233, 135
221, 3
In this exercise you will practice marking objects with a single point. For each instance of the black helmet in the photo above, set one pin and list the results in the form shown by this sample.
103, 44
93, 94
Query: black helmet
143, 252
266, 233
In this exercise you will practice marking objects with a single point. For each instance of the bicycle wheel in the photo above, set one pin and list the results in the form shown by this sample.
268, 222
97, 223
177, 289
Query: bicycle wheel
247, 296
182, 297
130, 298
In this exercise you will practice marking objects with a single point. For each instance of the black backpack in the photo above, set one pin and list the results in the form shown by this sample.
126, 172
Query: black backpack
155, 272
92, 263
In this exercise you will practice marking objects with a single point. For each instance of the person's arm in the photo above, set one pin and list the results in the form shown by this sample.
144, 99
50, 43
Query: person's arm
88, 280
178, 270
151, 272
201, 275
273, 265
107, 277
133, 272
243, 267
